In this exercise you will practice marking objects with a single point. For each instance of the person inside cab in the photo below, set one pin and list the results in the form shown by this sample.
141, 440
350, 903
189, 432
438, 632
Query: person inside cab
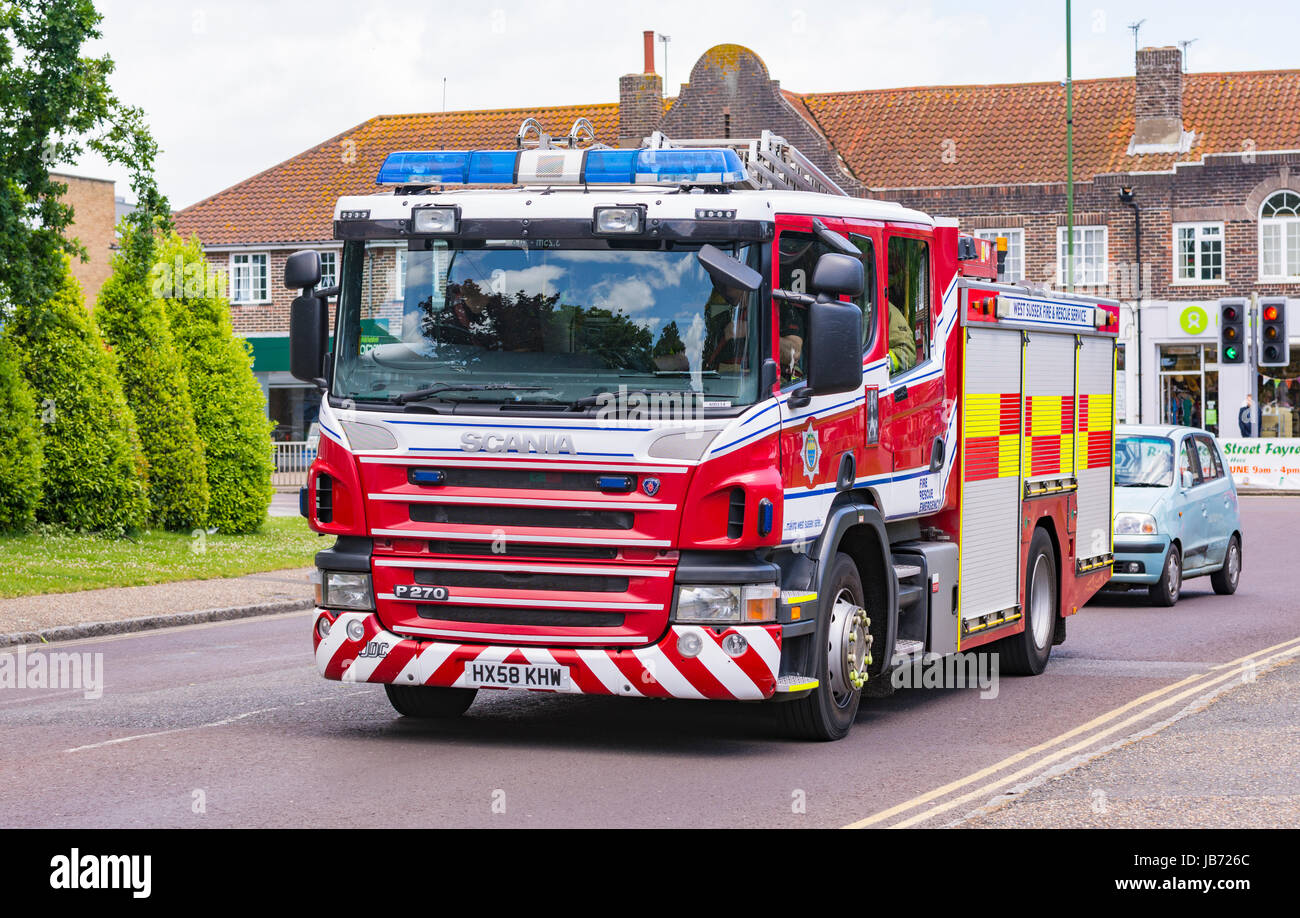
902, 343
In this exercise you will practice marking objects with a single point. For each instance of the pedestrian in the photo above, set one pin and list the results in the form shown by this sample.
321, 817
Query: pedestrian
1246, 417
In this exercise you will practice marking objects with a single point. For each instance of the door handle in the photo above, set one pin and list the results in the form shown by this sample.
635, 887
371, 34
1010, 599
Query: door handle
900, 394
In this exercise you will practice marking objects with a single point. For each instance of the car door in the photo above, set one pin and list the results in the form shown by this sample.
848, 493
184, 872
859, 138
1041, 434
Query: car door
1192, 509
1217, 501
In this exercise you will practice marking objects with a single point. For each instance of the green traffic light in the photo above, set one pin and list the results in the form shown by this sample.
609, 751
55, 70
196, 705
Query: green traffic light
1230, 353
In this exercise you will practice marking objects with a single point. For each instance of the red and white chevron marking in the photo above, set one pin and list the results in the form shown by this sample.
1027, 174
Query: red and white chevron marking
657, 671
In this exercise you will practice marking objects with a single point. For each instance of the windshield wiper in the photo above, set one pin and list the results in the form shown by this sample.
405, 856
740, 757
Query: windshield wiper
431, 391
1140, 484
591, 401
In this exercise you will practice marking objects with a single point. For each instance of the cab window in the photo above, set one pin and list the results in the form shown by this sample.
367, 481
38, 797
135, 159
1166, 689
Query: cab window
797, 255
867, 302
908, 303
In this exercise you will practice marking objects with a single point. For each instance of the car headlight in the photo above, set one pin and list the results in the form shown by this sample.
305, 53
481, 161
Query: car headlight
708, 605
340, 590
1135, 524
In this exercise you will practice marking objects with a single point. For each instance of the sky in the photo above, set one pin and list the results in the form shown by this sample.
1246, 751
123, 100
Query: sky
232, 88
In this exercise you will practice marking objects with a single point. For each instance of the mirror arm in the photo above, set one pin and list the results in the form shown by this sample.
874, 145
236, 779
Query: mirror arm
789, 296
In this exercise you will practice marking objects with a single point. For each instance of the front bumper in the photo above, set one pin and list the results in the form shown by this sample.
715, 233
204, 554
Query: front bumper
1139, 559
654, 671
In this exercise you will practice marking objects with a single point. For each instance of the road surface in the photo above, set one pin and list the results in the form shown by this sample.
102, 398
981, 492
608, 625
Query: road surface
229, 725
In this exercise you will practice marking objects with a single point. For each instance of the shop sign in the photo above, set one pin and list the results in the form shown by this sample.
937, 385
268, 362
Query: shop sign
1263, 463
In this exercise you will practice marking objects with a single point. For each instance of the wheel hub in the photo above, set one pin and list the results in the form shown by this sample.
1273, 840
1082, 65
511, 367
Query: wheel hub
850, 647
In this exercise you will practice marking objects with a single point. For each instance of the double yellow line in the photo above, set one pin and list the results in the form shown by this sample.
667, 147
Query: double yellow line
1144, 707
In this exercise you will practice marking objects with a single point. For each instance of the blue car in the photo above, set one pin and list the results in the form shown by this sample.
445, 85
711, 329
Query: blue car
1176, 513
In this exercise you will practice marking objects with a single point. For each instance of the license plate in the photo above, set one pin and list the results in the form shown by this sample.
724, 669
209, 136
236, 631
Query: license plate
418, 591
516, 676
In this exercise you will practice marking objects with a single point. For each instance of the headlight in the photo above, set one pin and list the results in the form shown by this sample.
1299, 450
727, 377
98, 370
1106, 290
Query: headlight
434, 219
1135, 524
727, 604
618, 221
346, 591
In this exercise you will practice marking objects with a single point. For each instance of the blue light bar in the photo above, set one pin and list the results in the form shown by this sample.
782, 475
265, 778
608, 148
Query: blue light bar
434, 167
691, 167
594, 167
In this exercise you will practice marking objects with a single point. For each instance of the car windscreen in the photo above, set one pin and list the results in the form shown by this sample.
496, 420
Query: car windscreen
1144, 462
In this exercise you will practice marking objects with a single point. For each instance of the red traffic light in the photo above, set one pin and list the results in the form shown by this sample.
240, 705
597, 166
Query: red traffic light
1230, 313
1270, 314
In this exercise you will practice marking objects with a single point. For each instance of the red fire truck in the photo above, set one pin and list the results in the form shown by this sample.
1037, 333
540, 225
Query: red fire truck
686, 421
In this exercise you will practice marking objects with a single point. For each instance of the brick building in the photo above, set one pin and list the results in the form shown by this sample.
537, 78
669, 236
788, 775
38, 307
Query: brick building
95, 215
1205, 167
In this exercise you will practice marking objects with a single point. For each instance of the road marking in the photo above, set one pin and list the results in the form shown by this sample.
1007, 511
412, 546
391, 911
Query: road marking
224, 722
1197, 682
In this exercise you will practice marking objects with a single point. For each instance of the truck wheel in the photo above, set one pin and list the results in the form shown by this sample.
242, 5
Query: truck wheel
843, 645
1026, 653
1166, 591
429, 701
1225, 579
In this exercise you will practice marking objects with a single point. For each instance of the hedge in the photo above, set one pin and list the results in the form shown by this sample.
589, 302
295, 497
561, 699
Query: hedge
134, 322
229, 408
95, 471
20, 440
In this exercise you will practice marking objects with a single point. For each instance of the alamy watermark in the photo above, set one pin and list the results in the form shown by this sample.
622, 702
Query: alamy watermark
56, 670
947, 671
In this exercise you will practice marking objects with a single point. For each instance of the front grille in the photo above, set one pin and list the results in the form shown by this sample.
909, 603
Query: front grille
526, 517
517, 479
541, 618
513, 580
522, 550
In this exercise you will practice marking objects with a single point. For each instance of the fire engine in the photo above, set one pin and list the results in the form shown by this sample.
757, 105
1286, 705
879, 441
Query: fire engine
688, 421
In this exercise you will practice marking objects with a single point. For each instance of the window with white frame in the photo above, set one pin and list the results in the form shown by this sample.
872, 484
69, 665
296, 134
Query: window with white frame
1279, 237
1198, 253
329, 269
1013, 269
249, 280
1090, 256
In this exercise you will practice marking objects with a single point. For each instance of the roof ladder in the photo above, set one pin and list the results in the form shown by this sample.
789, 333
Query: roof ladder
771, 162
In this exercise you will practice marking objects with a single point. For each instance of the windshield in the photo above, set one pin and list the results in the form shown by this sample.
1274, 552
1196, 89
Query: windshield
541, 322
1144, 462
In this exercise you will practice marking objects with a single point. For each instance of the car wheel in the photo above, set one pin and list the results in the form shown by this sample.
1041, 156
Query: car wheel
1166, 591
1225, 579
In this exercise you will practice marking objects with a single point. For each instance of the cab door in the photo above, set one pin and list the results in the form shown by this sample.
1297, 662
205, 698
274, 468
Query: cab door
817, 436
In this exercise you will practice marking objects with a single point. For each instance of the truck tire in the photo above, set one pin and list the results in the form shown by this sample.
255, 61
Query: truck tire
1166, 591
1226, 578
827, 712
429, 701
1026, 653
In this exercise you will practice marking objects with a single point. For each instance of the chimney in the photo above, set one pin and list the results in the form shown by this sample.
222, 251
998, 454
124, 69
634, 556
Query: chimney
1158, 103
640, 99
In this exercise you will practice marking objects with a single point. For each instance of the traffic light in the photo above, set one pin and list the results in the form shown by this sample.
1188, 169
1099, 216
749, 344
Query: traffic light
1232, 330
1274, 350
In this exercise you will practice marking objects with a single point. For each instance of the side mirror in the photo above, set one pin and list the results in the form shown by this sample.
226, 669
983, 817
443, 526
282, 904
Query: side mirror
308, 336
834, 345
727, 269
302, 270
836, 275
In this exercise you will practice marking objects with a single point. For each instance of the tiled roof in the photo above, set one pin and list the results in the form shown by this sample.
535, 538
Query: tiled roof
294, 201
890, 138
1015, 133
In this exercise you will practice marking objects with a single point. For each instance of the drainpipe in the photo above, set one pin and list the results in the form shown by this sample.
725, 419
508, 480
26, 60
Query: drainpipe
1128, 196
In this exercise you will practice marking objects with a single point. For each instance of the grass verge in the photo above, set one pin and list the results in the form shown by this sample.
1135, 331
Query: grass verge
55, 561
